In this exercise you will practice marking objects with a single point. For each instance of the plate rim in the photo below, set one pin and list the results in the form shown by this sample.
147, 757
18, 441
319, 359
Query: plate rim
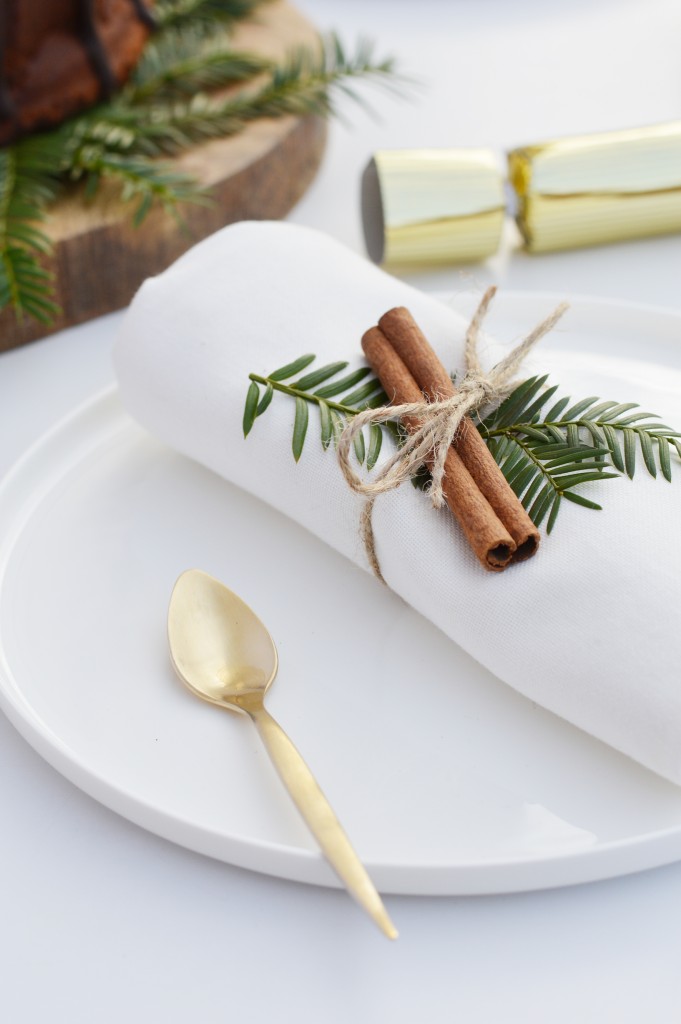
610, 859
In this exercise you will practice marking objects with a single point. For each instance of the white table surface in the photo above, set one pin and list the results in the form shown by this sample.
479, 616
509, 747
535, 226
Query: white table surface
103, 922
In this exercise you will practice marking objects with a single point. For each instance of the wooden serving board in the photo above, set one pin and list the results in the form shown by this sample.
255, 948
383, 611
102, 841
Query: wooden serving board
100, 259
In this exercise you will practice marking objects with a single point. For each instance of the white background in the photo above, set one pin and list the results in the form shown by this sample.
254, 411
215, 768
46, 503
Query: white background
102, 922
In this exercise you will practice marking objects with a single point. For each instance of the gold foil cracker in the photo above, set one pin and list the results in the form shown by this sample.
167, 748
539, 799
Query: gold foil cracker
432, 205
598, 188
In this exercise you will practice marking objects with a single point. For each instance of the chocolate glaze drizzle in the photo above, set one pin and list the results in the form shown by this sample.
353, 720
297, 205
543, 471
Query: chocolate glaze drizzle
7, 110
144, 14
94, 48
93, 44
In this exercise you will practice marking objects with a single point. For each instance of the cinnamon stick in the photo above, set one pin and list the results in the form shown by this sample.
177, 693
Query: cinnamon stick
488, 537
411, 345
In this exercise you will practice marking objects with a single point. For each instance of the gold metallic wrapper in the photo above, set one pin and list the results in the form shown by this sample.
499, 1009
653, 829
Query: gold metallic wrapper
598, 188
432, 206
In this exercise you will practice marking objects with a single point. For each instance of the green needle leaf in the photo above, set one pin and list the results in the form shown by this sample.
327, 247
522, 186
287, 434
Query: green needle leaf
665, 461
538, 403
630, 452
421, 479
579, 499
343, 384
560, 472
573, 434
355, 398
579, 455
636, 417
375, 443
513, 406
338, 421
265, 400
311, 380
576, 411
376, 401
512, 459
519, 470
567, 482
542, 504
597, 436
292, 368
326, 425
534, 433
532, 490
522, 480
614, 445
555, 433
617, 410
554, 513
299, 427
648, 453
555, 410
359, 446
602, 407
251, 407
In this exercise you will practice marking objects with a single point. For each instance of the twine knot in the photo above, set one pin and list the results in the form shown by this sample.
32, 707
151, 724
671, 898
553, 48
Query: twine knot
479, 385
434, 423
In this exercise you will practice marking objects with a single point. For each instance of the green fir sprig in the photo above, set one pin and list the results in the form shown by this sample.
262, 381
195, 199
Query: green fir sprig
546, 454
336, 401
206, 13
174, 100
27, 185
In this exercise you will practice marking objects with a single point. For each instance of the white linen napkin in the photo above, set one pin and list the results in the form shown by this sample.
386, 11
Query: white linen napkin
588, 628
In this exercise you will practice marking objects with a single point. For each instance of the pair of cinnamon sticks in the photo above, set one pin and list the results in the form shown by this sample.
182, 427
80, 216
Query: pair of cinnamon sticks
492, 518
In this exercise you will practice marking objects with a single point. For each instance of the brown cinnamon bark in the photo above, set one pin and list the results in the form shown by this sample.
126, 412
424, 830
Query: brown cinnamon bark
487, 536
404, 334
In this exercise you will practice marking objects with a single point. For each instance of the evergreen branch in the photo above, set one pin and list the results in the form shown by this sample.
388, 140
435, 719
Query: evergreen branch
153, 117
333, 415
171, 13
27, 185
544, 460
149, 181
306, 81
182, 62
297, 392
151, 128
304, 84
589, 421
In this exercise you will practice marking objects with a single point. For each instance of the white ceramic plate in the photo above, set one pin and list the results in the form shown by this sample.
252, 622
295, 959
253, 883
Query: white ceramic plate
446, 781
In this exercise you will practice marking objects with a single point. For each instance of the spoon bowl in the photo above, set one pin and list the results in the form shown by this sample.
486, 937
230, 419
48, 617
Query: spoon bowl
219, 647
222, 652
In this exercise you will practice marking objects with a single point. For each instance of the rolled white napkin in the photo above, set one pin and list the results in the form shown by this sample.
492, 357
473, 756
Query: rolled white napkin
588, 628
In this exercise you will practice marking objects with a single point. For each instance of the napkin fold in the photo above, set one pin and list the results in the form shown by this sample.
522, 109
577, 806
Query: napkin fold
588, 628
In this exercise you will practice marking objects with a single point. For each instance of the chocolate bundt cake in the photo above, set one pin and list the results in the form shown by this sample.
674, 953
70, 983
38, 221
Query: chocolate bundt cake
58, 56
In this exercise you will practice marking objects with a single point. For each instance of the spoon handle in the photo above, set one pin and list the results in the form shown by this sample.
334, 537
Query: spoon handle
320, 818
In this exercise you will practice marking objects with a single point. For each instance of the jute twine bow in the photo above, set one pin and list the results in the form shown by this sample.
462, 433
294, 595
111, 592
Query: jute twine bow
440, 420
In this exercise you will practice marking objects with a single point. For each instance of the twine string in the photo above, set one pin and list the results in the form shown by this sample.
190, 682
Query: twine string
439, 422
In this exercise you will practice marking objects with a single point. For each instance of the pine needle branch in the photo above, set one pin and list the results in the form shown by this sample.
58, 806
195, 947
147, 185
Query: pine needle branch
169, 105
148, 181
304, 84
171, 13
545, 459
358, 393
182, 62
27, 185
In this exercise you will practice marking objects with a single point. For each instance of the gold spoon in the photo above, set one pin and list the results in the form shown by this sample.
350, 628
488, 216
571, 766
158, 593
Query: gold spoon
223, 653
